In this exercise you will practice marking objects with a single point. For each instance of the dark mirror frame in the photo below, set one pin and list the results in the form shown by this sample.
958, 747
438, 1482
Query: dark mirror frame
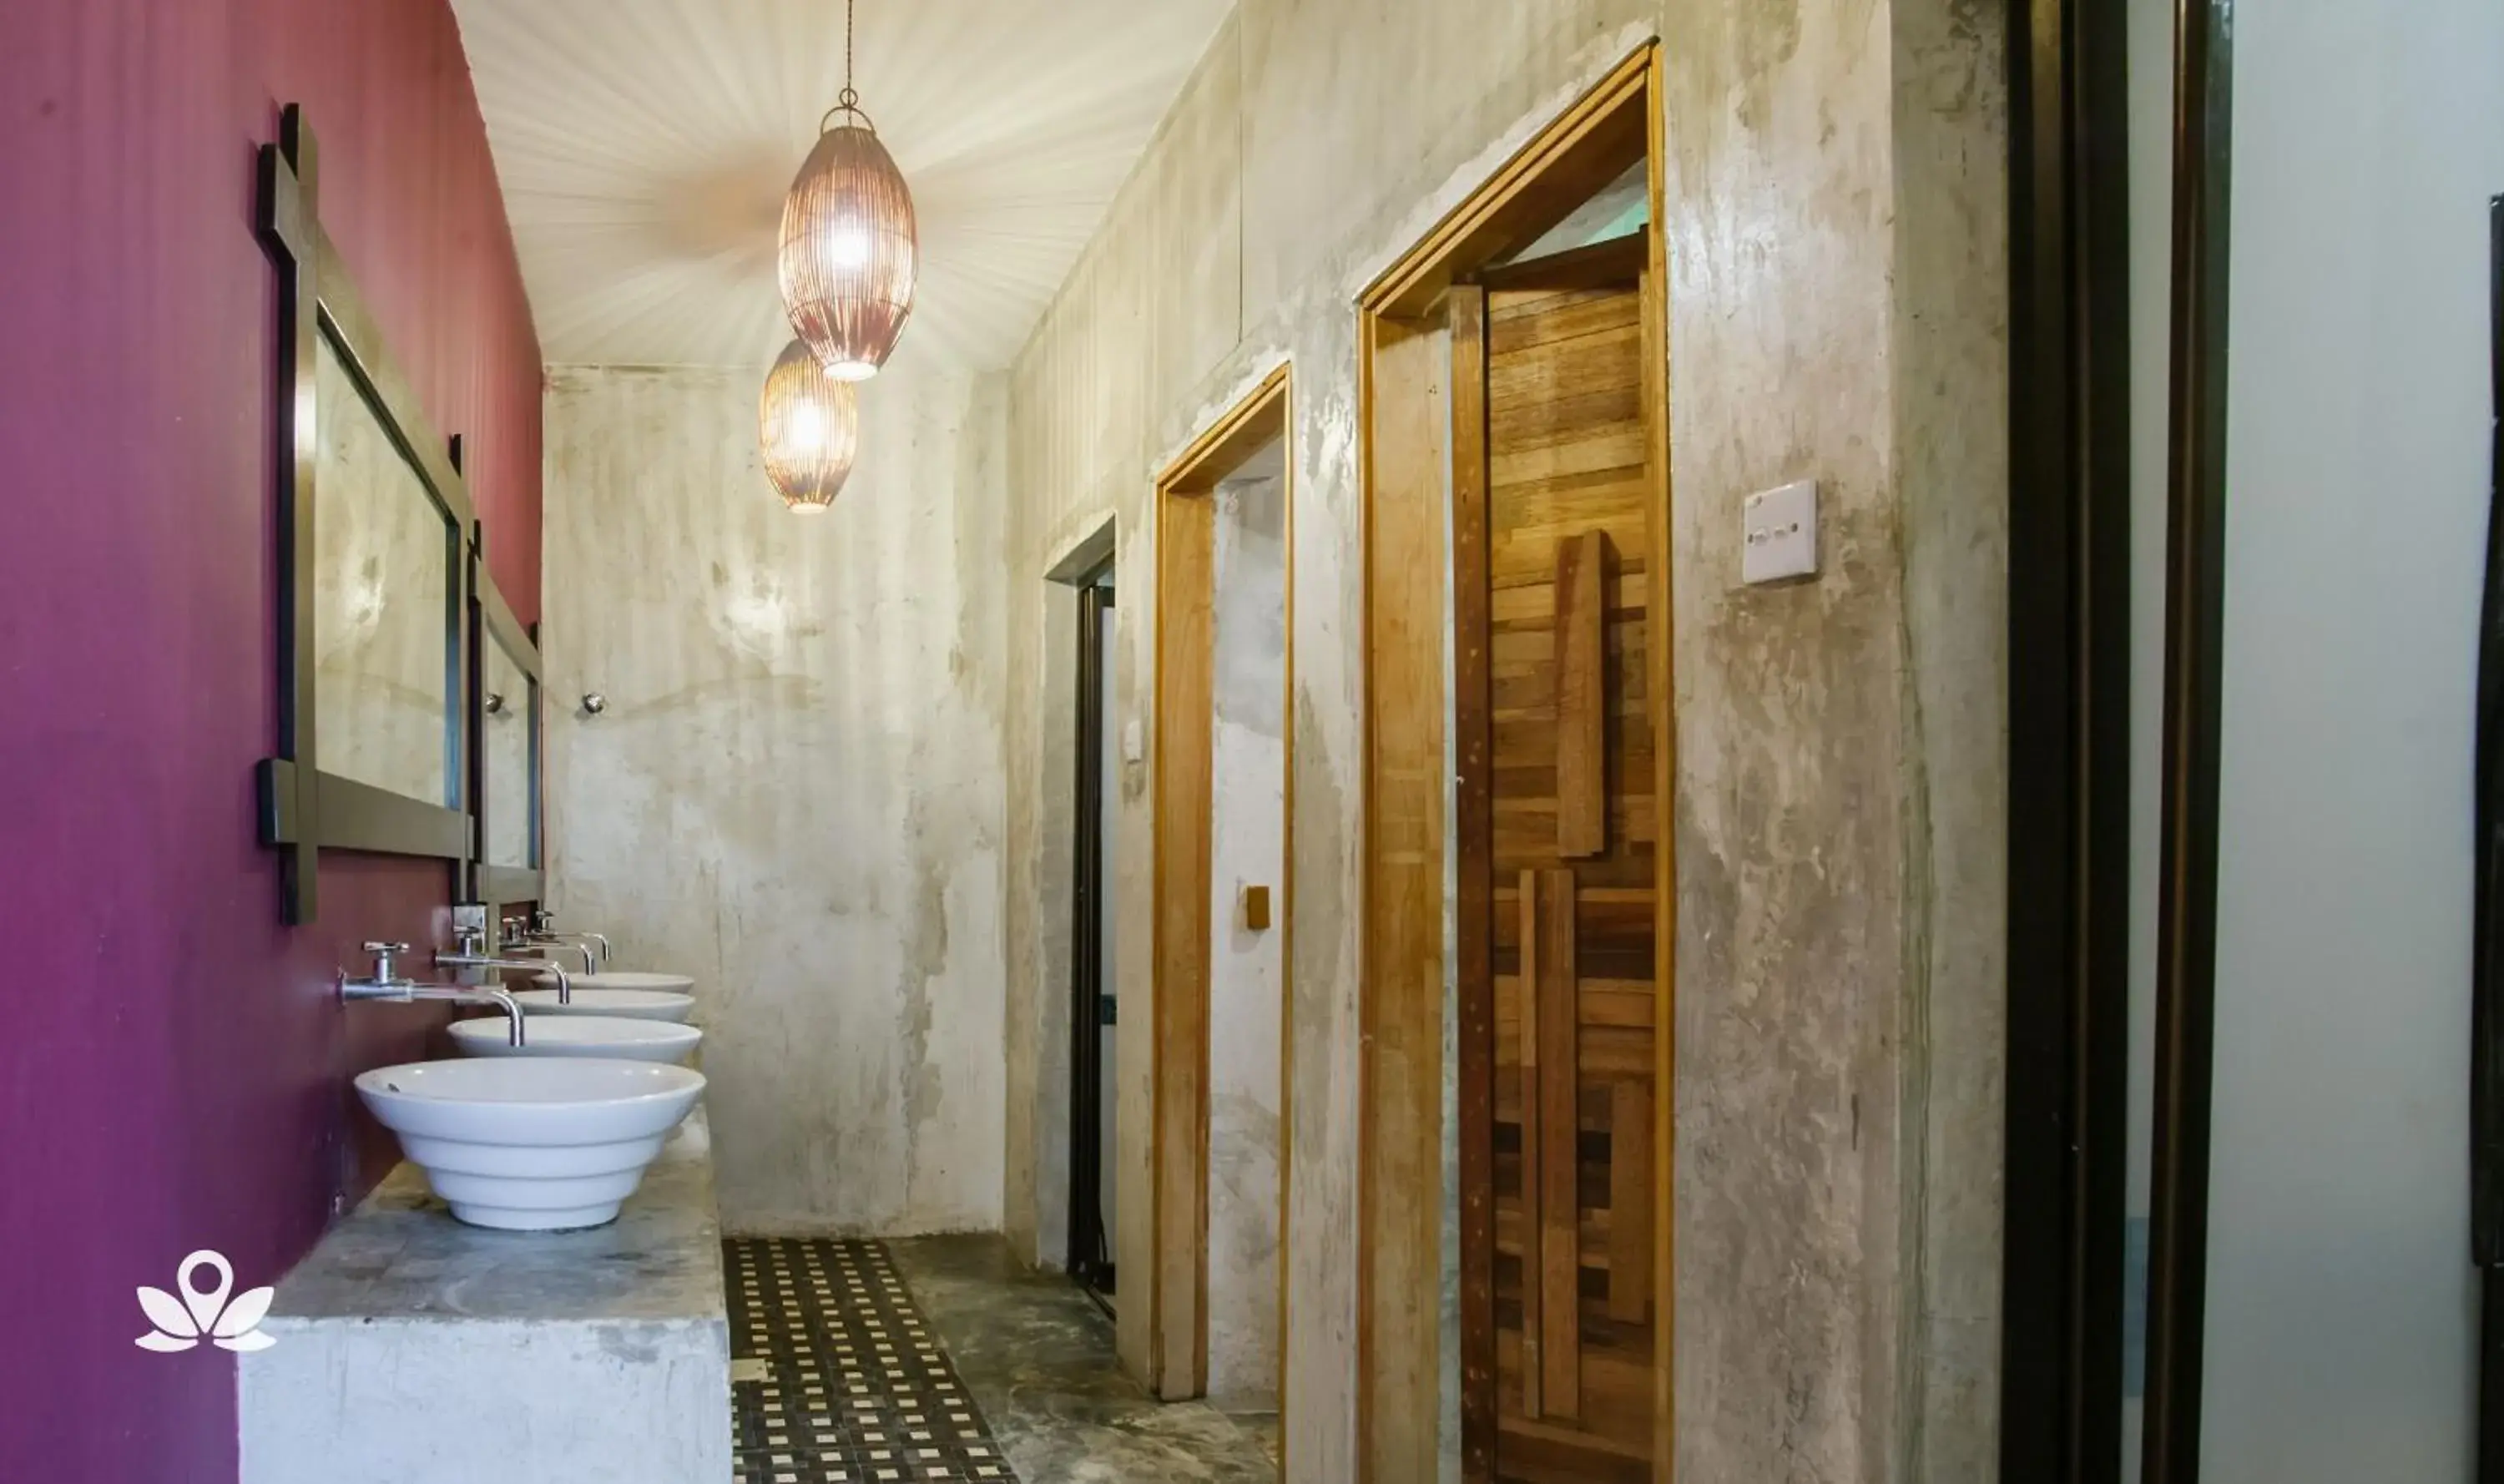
303, 811
502, 885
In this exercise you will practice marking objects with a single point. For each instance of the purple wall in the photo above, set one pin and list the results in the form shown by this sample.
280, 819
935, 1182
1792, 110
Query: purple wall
173, 1069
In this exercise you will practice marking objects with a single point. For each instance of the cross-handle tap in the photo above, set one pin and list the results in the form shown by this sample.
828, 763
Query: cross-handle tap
386, 986
383, 954
467, 956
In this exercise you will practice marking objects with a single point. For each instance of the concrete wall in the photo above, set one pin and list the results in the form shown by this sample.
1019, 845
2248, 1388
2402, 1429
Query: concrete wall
1835, 226
795, 792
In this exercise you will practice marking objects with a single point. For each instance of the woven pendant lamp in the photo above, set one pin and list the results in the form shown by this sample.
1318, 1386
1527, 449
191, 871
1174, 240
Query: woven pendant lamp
809, 426
849, 248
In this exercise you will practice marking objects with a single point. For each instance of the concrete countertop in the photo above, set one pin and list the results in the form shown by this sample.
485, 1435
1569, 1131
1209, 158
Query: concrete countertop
413, 1350
401, 1256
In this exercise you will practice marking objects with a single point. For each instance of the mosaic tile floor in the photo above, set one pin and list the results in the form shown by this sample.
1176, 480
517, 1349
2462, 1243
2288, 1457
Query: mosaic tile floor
835, 1377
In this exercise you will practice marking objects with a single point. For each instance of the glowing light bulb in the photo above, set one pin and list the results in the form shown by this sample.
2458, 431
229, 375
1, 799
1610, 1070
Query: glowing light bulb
848, 246
849, 255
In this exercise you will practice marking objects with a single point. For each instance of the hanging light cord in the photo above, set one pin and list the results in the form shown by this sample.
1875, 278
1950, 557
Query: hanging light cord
848, 98
846, 101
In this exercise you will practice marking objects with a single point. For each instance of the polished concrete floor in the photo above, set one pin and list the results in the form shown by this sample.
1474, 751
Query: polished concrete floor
1037, 1355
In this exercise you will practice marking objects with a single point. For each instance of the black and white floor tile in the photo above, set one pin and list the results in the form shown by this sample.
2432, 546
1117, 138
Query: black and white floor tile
836, 1378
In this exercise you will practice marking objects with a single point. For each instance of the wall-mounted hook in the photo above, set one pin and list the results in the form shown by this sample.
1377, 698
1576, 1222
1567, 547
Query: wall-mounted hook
495, 703
594, 703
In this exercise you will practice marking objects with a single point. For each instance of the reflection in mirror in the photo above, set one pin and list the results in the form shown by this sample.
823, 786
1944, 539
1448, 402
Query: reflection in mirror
382, 589
506, 748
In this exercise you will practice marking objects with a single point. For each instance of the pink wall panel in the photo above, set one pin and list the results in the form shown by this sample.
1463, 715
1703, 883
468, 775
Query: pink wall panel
173, 1069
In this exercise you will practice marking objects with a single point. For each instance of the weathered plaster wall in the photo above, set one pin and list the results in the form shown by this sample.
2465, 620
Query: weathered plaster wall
1835, 231
1837, 311
1949, 339
795, 792
1042, 897
1041, 866
1246, 971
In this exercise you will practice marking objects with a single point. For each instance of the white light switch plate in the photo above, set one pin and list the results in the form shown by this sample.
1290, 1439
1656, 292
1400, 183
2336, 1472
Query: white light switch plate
1781, 533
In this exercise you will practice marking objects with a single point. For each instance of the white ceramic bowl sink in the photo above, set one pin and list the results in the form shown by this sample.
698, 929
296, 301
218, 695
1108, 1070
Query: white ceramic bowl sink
625, 1003
564, 1035
623, 979
532, 1143
625, 993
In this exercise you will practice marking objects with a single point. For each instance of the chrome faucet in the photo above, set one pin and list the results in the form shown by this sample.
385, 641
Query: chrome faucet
527, 941
541, 929
469, 954
387, 986
515, 937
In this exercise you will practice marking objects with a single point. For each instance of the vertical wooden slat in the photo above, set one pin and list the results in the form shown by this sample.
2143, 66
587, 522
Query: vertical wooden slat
1581, 697
1559, 1091
1660, 686
1402, 1014
1178, 1286
1530, 1093
1473, 833
1630, 1182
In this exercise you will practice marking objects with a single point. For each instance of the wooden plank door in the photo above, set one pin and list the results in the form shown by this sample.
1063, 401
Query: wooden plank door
1553, 556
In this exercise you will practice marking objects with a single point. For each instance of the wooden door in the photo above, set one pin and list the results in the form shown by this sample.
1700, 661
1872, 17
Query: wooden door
1559, 907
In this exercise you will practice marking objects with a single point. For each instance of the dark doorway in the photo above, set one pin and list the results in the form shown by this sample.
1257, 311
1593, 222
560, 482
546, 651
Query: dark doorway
1093, 1006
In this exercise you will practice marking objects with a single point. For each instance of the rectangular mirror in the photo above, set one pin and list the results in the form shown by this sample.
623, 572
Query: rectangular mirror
511, 719
385, 628
376, 685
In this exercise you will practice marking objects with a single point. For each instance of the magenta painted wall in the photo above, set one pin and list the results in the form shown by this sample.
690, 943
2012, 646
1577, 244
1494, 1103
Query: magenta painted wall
173, 1069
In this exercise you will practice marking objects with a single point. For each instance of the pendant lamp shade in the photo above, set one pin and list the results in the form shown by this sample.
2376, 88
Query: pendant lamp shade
849, 250
809, 426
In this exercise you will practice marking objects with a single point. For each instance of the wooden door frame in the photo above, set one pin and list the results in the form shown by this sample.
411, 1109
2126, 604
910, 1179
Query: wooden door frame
1406, 441
1177, 1269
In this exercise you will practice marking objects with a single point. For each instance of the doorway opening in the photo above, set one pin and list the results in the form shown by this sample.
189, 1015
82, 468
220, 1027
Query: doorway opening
2253, 1151
1247, 965
1216, 1289
1516, 463
1094, 1011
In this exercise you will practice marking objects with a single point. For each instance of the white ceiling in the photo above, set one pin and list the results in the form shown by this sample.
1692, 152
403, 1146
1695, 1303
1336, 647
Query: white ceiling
644, 147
